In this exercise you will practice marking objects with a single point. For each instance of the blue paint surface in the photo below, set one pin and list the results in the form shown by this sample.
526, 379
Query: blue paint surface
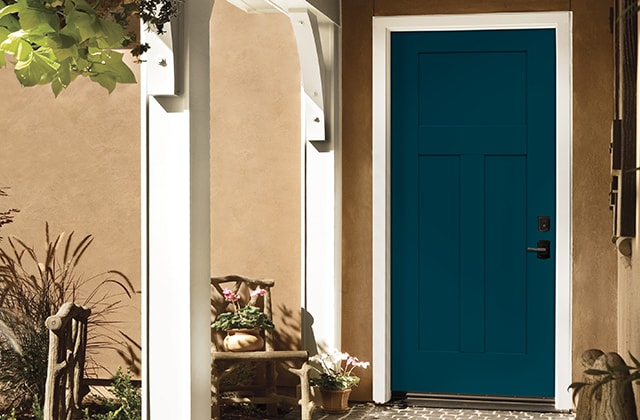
472, 167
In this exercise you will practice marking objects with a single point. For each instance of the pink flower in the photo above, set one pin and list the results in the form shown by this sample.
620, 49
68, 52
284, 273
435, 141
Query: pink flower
258, 292
353, 361
230, 296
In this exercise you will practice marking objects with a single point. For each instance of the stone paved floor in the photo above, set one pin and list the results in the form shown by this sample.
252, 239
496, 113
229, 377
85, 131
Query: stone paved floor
372, 411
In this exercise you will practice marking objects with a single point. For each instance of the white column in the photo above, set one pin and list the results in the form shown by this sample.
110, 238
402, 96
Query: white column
322, 199
176, 243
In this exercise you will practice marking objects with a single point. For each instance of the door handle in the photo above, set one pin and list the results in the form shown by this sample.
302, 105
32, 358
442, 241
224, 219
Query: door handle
543, 249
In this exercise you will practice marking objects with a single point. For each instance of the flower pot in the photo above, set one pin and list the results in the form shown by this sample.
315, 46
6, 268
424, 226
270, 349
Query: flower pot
334, 400
243, 340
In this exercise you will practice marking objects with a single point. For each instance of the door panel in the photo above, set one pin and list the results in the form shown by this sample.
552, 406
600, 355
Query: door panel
472, 167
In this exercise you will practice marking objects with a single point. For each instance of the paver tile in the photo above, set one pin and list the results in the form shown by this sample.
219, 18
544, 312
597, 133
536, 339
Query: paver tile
374, 412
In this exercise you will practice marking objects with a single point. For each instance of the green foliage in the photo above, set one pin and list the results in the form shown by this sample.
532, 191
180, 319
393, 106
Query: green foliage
10, 416
127, 404
331, 381
32, 289
36, 409
156, 13
336, 370
55, 41
249, 317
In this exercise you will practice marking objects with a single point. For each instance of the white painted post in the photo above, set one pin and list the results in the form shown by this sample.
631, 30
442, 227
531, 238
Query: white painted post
319, 52
176, 218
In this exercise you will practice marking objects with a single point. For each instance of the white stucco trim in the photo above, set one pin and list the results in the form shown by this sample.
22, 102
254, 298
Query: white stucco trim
382, 28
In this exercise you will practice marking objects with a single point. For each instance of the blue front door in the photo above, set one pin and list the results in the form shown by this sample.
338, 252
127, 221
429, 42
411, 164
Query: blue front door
473, 137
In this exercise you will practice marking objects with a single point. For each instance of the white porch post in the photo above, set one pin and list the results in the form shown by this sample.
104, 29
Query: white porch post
176, 218
316, 27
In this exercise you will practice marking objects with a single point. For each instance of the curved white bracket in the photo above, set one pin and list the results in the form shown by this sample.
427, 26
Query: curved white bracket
162, 78
305, 29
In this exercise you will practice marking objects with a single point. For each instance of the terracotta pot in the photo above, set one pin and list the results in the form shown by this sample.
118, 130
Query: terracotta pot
334, 400
243, 340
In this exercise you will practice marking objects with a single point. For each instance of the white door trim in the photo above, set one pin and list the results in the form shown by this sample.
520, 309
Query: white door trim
382, 29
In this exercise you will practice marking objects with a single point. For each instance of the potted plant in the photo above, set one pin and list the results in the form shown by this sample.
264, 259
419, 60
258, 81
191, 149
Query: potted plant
244, 324
336, 378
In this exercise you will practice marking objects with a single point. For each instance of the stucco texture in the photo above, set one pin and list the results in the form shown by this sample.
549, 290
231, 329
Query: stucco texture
256, 156
74, 162
594, 301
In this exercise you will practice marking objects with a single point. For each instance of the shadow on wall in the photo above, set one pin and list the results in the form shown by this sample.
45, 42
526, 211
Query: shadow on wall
288, 337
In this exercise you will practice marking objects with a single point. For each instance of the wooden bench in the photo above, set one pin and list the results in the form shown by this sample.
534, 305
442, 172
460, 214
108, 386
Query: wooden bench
224, 363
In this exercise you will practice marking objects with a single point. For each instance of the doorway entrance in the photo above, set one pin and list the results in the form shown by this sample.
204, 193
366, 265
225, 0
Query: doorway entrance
434, 243
473, 144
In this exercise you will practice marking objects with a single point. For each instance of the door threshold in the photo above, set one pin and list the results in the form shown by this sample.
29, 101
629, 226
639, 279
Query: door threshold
480, 402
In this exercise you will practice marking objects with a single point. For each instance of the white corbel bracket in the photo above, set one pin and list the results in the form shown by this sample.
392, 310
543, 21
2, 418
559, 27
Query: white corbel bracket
305, 29
303, 19
161, 62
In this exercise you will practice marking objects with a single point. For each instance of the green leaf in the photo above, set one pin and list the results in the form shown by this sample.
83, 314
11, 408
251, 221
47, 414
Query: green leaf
63, 46
7, 20
38, 69
34, 16
56, 87
63, 78
112, 34
4, 32
105, 80
82, 5
80, 25
17, 46
9, 10
110, 62
89, 27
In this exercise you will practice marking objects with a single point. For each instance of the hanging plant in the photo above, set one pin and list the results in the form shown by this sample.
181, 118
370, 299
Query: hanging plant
55, 41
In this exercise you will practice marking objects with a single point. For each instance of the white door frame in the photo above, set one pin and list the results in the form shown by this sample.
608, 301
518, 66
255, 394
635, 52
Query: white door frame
382, 29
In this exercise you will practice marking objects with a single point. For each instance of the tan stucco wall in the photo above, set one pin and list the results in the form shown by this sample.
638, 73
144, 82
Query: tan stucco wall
594, 265
628, 301
74, 162
256, 155
594, 258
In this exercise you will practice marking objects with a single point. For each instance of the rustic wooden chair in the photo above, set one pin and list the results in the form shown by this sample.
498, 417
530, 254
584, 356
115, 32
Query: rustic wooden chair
224, 363
67, 347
